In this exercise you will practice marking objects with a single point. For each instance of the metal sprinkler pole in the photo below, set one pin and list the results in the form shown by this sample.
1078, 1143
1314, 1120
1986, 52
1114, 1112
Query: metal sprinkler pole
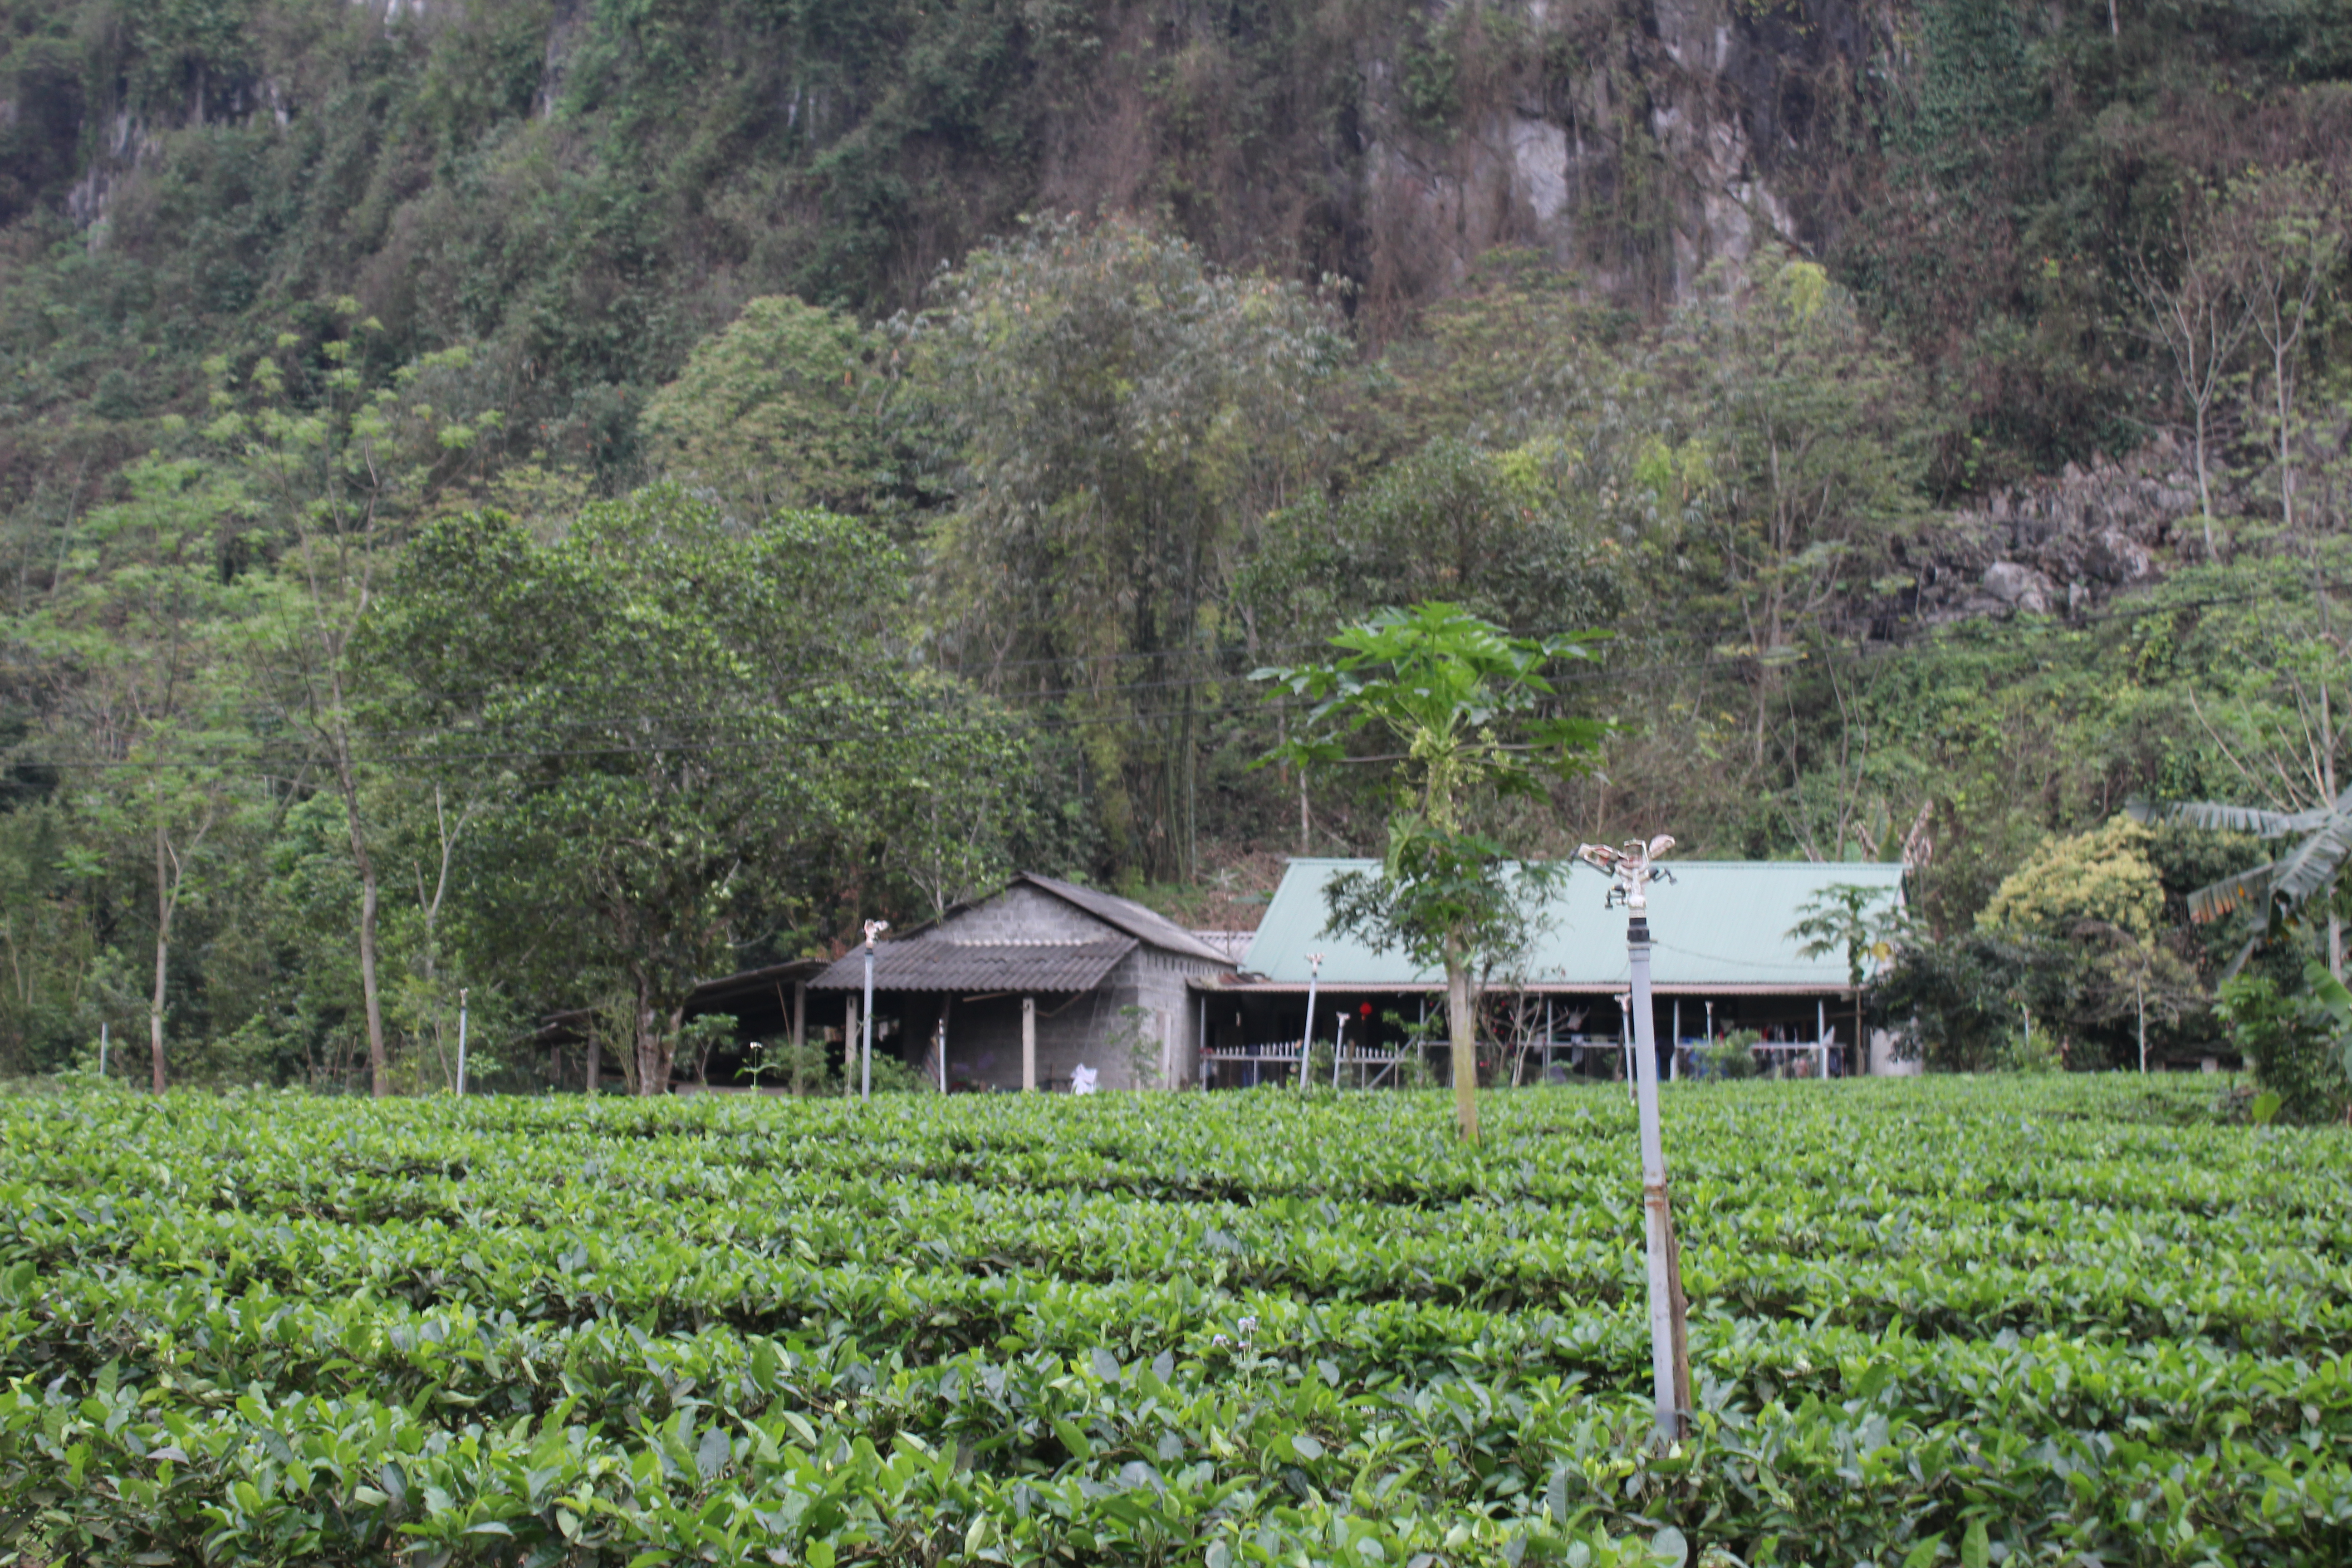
1631, 870
461, 1044
873, 930
101, 1052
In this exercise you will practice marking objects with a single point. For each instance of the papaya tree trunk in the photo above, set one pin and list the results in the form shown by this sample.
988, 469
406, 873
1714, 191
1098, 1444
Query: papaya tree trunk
1463, 1027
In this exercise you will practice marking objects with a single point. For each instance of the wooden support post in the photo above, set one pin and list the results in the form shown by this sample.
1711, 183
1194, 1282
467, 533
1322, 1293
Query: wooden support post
1028, 1045
940, 1043
799, 1013
1201, 1053
849, 1050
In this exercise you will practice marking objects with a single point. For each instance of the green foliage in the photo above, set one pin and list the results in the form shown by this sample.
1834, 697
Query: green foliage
892, 1076
46, 941
1977, 88
2104, 875
1733, 1057
776, 411
626, 695
1971, 994
2279, 889
1478, 720
1115, 412
1811, 433
806, 1070
2299, 1042
1858, 922
1246, 1329
1496, 533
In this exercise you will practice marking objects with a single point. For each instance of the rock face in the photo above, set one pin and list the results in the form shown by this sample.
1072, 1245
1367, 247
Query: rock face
1703, 122
1639, 141
2061, 544
2018, 588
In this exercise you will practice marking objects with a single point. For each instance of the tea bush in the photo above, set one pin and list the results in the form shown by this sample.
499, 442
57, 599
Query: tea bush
2015, 1320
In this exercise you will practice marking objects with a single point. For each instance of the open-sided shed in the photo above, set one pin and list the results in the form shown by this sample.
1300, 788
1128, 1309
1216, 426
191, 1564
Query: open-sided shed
1019, 989
1722, 959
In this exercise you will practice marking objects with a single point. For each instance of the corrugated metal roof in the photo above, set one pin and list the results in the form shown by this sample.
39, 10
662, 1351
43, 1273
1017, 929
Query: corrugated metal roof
1226, 985
1129, 917
1228, 945
1721, 924
759, 983
933, 963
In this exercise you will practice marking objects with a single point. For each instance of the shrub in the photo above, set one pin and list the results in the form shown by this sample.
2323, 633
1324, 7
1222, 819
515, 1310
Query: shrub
1734, 1056
2300, 1045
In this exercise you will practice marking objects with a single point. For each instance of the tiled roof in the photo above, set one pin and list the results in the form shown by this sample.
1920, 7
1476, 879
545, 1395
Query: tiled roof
930, 963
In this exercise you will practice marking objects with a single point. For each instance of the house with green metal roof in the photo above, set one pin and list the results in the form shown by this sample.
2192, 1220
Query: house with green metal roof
1722, 960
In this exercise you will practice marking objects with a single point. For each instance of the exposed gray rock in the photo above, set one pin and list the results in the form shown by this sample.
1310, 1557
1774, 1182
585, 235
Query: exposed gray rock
2096, 530
2018, 588
2115, 558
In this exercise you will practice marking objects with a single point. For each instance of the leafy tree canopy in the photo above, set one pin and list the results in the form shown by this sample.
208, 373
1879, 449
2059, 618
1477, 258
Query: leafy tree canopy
692, 731
2104, 875
1479, 722
778, 410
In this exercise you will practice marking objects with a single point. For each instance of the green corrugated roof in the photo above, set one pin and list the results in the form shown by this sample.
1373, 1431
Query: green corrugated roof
1721, 925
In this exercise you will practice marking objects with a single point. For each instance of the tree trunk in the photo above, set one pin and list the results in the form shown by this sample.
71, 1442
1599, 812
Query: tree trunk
655, 1044
594, 1068
2327, 784
379, 1066
1463, 1029
2286, 449
162, 949
372, 994
2204, 483
2139, 1004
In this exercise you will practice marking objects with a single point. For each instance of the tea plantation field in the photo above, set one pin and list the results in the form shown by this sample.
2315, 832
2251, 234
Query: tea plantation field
2016, 1321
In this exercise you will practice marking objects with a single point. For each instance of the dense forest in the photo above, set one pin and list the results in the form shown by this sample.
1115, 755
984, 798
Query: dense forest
548, 499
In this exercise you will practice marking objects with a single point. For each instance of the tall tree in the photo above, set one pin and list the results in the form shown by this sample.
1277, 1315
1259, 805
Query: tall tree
685, 727
2289, 233
1814, 438
2199, 313
778, 410
1115, 415
1478, 721
136, 634
340, 469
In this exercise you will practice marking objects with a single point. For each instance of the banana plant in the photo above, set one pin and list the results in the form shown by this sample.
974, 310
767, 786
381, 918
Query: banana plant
2280, 887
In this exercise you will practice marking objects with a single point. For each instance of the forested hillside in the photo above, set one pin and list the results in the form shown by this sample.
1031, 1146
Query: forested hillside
550, 498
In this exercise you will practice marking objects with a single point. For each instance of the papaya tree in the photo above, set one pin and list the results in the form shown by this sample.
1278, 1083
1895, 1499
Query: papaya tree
1478, 721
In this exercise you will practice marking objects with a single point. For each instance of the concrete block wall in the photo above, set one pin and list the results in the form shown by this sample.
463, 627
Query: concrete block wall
1022, 913
984, 1036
